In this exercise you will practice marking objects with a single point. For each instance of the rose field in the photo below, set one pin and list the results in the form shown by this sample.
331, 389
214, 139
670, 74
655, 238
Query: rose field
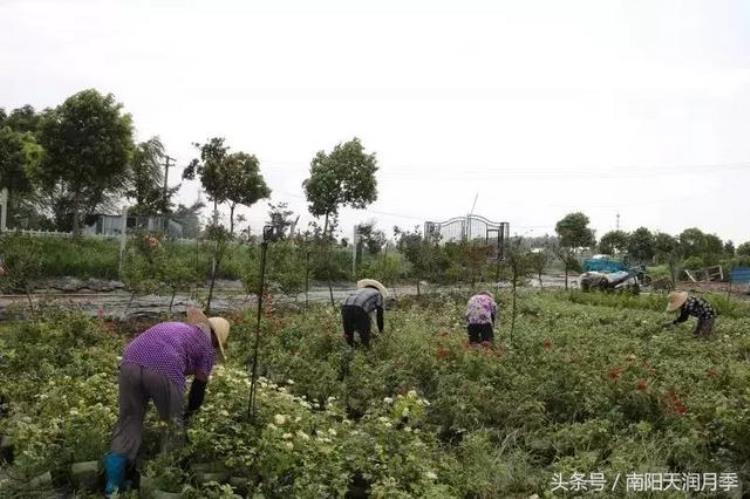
587, 385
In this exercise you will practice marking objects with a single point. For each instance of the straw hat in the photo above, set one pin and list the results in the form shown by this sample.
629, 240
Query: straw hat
676, 300
218, 325
372, 283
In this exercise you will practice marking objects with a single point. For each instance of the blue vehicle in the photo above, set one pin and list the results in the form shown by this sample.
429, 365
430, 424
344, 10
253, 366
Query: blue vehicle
602, 272
604, 265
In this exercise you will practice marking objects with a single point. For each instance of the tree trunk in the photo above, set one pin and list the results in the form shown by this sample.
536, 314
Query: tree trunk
328, 260
541, 285
418, 294
231, 218
171, 301
307, 278
76, 210
214, 269
513, 316
566, 277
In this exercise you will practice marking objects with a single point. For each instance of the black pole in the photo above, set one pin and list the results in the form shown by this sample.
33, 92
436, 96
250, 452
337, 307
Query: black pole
307, 278
256, 347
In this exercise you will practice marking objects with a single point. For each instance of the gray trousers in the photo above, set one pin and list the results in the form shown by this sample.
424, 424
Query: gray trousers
138, 385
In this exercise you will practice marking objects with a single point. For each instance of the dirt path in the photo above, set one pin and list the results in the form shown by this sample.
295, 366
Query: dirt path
229, 296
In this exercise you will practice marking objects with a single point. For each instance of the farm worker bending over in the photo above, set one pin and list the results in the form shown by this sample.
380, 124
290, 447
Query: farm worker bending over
154, 367
356, 310
695, 306
480, 317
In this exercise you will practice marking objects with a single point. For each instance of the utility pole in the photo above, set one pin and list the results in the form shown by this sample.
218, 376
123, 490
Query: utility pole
617, 226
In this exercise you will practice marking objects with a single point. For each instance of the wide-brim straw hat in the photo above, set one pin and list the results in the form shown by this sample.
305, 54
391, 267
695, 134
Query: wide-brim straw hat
372, 283
219, 325
676, 300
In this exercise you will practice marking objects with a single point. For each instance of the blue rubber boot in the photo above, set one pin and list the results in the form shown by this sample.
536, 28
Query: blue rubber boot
114, 468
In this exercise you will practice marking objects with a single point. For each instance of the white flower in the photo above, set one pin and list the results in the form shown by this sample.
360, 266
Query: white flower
272, 427
287, 436
388, 425
224, 413
279, 419
331, 399
430, 475
388, 400
297, 419
289, 445
407, 429
405, 412
383, 419
304, 436
290, 382
332, 432
412, 394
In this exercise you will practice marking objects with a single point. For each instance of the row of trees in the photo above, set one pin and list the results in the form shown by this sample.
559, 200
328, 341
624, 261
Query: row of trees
66, 162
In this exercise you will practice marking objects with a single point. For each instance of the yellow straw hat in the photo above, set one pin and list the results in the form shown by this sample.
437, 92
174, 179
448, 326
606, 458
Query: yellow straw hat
218, 325
676, 300
372, 283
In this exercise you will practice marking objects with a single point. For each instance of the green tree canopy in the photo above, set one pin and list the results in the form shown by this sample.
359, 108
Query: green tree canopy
574, 232
147, 179
641, 245
692, 242
209, 168
744, 249
242, 182
615, 241
344, 177
88, 142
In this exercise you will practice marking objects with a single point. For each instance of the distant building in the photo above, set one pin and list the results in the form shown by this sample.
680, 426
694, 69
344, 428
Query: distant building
111, 225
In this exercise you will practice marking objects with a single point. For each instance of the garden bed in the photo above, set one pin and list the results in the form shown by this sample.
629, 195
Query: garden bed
584, 387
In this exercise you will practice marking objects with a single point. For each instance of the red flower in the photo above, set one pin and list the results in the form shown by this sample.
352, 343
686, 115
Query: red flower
547, 344
711, 373
441, 352
641, 385
674, 404
614, 373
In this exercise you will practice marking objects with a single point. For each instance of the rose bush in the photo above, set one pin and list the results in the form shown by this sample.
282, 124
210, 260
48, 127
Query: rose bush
586, 386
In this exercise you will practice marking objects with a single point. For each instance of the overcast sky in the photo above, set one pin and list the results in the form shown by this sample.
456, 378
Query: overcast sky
637, 107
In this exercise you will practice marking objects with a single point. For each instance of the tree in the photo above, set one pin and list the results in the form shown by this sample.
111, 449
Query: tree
421, 253
743, 249
573, 232
189, 218
519, 264
210, 169
19, 154
729, 249
371, 238
692, 242
88, 143
537, 262
668, 250
147, 179
615, 241
714, 249
641, 245
343, 177
24, 119
280, 218
243, 183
